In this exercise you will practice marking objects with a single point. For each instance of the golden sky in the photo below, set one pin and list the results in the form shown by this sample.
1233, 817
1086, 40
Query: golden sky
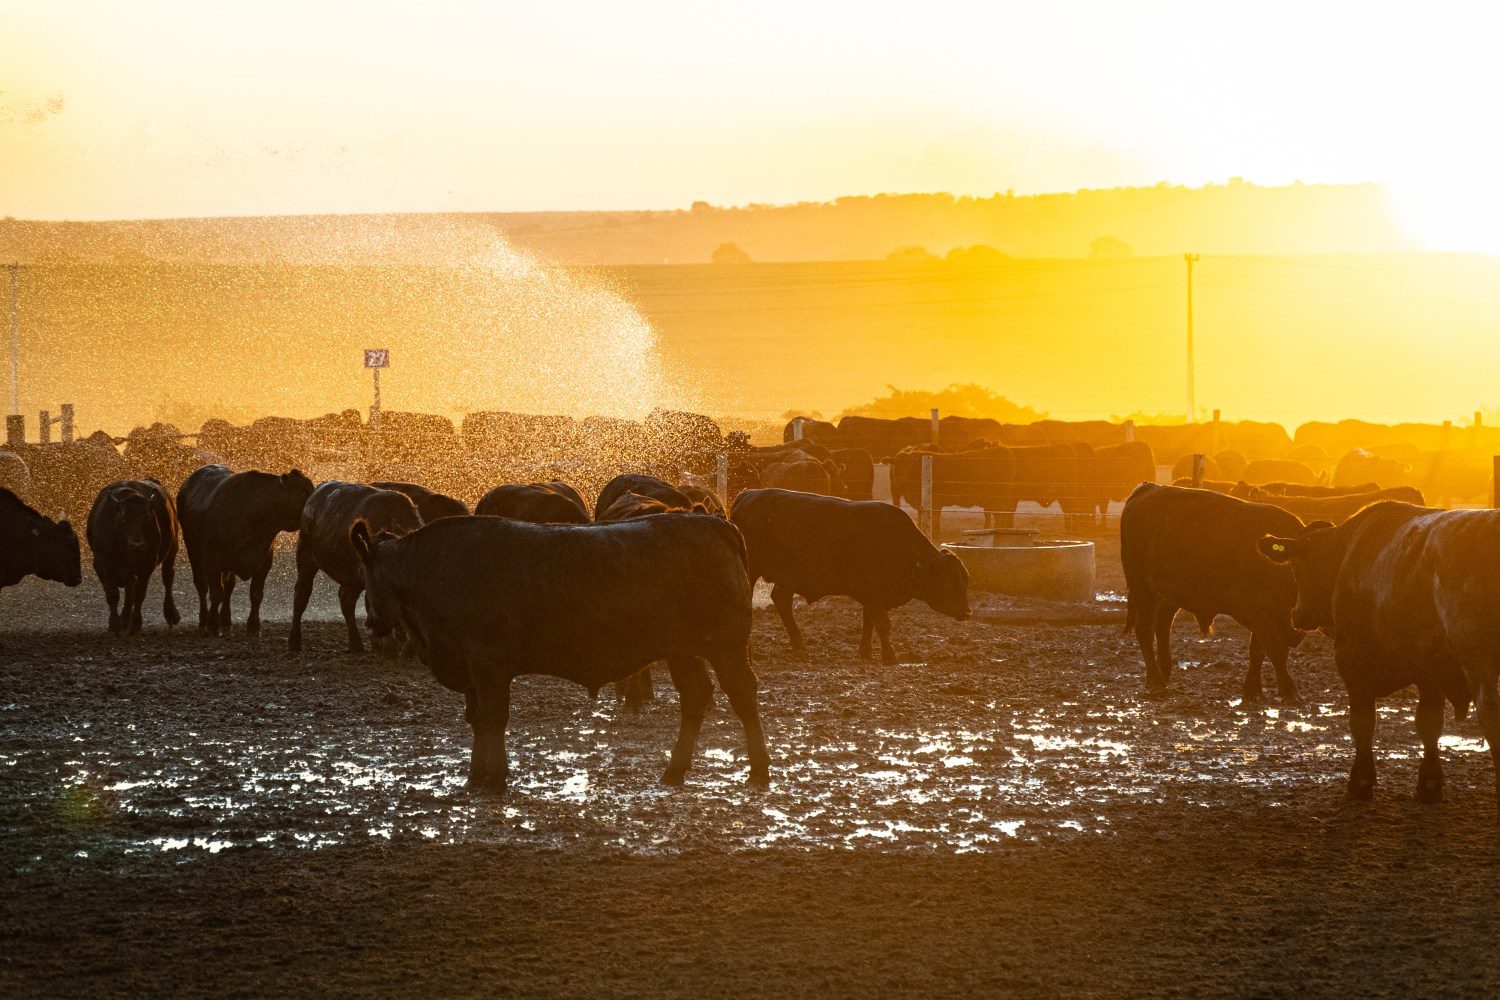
155, 108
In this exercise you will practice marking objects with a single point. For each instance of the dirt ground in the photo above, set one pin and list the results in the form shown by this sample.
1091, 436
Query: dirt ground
1004, 811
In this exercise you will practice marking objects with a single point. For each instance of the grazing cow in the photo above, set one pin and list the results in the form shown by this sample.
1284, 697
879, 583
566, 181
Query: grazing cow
430, 504
1336, 509
30, 544
229, 522
642, 486
323, 544
797, 470
856, 472
1195, 551
1409, 596
871, 551
132, 529
983, 478
1280, 470
1359, 466
485, 600
539, 503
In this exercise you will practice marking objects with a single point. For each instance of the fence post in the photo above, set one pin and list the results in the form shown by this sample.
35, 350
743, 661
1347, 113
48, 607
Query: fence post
1129, 431
924, 516
67, 423
1216, 437
934, 435
1476, 430
44, 428
796, 428
15, 429
1198, 470
1495, 484
721, 478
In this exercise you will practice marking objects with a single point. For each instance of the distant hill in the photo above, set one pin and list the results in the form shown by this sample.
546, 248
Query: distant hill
1228, 218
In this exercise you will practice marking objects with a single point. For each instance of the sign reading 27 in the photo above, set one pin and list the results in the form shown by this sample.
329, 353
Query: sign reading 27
378, 357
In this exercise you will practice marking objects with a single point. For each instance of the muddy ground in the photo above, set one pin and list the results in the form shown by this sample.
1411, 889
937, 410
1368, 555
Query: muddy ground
1005, 811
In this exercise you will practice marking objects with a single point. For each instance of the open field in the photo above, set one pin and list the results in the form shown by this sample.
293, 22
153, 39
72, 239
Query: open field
1005, 811
473, 329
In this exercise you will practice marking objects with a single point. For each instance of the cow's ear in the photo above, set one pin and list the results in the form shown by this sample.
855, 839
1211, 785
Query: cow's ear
359, 537
1279, 549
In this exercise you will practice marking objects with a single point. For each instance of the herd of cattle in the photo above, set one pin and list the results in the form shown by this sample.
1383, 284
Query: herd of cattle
660, 567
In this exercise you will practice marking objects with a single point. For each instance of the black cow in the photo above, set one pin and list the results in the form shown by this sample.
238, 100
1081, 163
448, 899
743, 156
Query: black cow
486, 599
1409, 596
983, 478
797, 470
642, 486
820, 546
856, 473
430, 504
323, 544
1195, 551
30, 544
229, 522
132, 529
539, 503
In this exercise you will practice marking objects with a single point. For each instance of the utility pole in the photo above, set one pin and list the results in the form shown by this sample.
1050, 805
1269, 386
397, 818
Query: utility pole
15, 339
1192, 402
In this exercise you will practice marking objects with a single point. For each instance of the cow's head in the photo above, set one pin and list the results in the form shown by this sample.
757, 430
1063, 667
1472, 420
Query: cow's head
1314, 555
55, 551
943, 583
382, 607
295, 489
134, 520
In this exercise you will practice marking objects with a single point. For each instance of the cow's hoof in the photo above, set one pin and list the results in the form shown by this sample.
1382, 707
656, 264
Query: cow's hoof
1289, 696
890, 660
760, 775
674, 776
487, 784
1361, 788
1430, 783
353, 649
294, 644
252, 628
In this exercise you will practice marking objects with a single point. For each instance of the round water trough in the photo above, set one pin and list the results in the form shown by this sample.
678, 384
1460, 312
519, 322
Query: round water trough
1017, 564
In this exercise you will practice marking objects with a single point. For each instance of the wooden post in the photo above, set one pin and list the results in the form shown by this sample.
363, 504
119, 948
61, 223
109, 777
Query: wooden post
1129, 431
1447, 433
67, 423
1216, 437
1197, 470
924, 516
721, 478
44, 428
796, 428
934, 437
1495, 484
1476, 430
15, 429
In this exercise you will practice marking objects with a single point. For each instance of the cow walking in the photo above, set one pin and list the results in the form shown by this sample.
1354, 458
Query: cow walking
132, 529
31, 544
486, 599
1409, 596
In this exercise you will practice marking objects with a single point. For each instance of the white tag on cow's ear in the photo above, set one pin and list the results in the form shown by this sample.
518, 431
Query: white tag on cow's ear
1277, 547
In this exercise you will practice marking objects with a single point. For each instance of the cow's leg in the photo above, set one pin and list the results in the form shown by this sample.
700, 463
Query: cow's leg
168, 601
695, 693
307, 573
1362, 729
1430, 729
488, 768
1141, 610
1487, 711
1277, 651
258, 591
1251, 690
866, 632
218, 604
349, 604
230, 582
135, 597
1162, 619
732, 668
208, 619
782, 598
883, 630
111, 596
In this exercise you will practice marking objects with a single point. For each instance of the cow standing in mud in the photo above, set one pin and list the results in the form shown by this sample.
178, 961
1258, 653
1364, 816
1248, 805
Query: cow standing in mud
132, 529
486, 599
229, 522
821, 546
323, 544
1195, 551
1409, 595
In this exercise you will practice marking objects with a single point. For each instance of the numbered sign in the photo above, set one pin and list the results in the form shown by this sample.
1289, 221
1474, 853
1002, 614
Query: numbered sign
379, 357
